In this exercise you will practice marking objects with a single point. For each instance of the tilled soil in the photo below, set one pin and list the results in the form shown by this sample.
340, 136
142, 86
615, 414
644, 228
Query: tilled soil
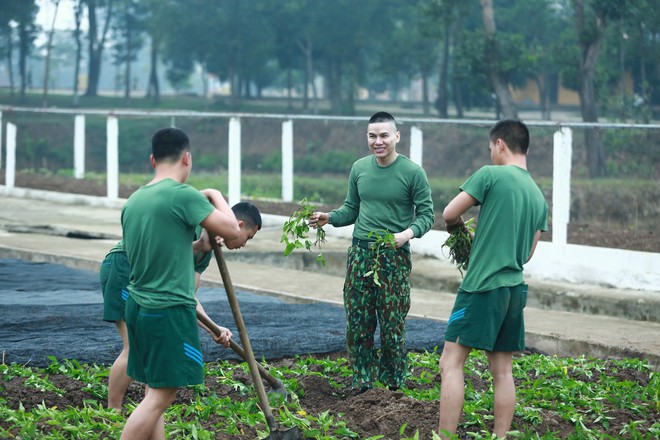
375, 412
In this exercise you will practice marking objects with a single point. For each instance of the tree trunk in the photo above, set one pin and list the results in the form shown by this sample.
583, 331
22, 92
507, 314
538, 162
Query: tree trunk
544, 96
10, 61
305, 103
76, 68
497, 78
426, 107
645, 89
442, 103
333, 86
49, 48
289, 86
589, 50
24, 47
308, 50
129, 50
153, 88
96, 46
349, 90
458, 98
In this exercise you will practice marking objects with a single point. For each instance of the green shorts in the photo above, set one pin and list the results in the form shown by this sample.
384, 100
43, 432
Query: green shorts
491, 320
165, 348
115, 272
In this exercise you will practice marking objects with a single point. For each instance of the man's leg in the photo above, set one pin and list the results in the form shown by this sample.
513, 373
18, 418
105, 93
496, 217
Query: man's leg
452, 388
119, 381
505, 390
393, 306
147, 422
361, 319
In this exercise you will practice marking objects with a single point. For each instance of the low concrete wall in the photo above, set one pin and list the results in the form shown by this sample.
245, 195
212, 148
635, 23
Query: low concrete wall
618, 268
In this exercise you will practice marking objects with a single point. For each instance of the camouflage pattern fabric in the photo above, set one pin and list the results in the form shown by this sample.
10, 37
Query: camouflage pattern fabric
368, 304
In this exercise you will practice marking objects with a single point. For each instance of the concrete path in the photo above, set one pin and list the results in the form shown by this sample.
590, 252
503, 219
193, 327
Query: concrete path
78, 231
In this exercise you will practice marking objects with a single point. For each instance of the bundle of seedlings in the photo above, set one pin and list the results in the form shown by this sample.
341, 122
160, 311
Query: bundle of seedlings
383, 240
459, 244
296, 231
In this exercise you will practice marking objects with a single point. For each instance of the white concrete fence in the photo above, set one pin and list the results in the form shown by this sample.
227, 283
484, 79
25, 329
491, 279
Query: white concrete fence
556, 260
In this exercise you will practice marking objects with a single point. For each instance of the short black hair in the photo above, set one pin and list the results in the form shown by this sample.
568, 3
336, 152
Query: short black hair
249, 213
169, 143
382, 117
513, 132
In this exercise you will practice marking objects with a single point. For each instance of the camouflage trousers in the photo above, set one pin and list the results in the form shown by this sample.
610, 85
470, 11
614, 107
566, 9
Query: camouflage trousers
367, 304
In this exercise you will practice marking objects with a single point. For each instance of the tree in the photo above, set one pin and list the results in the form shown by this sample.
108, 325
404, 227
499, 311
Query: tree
448, 14
49, 48
9, 10
344, 38
497, 76
96, 42
591, 21
155, 23
25, 18
412, 45
639, 45
293, 23
537, 44
128, 27
77, 13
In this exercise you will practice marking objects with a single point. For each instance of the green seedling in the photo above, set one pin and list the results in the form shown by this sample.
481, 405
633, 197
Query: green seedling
589, 398
384, 240
460, 244
296, 232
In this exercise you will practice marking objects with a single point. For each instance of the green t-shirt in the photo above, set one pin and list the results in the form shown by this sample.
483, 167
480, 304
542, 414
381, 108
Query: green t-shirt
513, 209
202, 260
119, 247
394, 198
158, 223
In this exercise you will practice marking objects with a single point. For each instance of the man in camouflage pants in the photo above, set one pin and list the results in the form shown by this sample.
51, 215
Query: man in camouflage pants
387, 194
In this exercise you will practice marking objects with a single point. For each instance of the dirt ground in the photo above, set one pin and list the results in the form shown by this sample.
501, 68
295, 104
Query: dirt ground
646, 240
378, 411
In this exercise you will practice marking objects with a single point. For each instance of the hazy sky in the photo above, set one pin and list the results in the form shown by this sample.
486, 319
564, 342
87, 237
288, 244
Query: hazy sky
65, 16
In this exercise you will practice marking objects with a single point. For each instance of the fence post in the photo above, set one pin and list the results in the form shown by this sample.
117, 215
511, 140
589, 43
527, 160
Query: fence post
79, 147
287, 161
561, 184
234, 161
112, 157
416, 145
10, 172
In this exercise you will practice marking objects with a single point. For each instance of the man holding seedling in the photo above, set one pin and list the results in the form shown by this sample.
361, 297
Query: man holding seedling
488, 311
114, 275
158, 224
389, 202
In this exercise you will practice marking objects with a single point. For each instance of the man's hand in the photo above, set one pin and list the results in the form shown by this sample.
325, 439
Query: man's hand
455, 226
403, 237
203, 244
223, 338
318, 219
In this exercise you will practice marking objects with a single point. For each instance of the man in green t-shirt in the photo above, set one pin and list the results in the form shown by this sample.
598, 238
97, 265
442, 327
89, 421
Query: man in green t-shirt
115, 273
488, 311
387, 193
158, 225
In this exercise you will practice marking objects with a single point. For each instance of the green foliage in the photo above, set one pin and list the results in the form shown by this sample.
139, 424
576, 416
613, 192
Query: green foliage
459, 244
629, 155
384, 240
295, 232
579, 392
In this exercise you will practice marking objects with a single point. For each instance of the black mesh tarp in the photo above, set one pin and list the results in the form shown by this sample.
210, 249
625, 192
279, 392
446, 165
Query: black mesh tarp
52, 310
